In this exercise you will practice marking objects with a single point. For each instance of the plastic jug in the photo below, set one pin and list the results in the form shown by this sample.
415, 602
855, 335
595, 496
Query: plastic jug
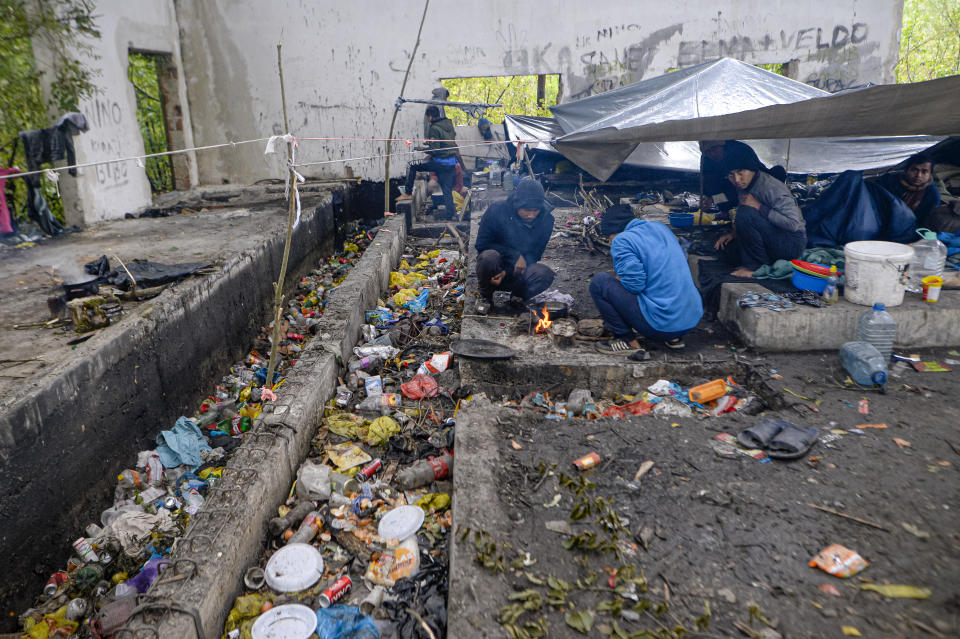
929, 256
864, 363
708, 392
878, 327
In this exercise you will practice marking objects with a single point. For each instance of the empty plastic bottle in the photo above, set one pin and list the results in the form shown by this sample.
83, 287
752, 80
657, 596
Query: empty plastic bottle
309, 528
929, 256
364, 363
878, 327
830, 293
425, 472
864, 363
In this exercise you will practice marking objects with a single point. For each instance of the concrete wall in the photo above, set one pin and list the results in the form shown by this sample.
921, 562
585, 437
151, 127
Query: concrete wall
344, 62
109, 190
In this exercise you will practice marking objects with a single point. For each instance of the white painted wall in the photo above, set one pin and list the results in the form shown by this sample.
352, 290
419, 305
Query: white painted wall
110, 190
344, 61
344, 64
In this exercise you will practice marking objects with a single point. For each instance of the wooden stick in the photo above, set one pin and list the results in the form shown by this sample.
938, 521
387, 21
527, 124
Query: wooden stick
396, 111
851, 517
133, 279
456, 234
291, 217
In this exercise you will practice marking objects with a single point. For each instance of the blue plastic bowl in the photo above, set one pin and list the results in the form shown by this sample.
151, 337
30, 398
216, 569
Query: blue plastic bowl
681, 220
808, 282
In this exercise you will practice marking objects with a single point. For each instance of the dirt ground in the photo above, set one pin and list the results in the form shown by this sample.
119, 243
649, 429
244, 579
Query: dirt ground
737, 533
731, 533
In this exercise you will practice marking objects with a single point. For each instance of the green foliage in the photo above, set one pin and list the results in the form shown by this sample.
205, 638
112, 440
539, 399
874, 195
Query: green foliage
929, 40
60, 25
517, 94
143, 75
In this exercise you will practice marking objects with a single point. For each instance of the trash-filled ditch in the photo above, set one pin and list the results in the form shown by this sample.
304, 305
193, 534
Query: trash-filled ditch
359, 547
118, 558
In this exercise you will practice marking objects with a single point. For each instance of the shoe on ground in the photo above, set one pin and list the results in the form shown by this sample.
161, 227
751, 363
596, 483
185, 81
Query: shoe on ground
614, 346
676, 343
483, 307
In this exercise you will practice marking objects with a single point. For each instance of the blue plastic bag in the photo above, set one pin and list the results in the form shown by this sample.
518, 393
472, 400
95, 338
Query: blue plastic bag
419, 303
345, 622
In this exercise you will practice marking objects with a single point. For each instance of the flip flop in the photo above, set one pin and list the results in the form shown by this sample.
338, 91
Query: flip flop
793, 442
760, 434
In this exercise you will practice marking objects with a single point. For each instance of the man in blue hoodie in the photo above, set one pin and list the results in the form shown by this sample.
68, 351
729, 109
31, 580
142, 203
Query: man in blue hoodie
510, 242
652, 294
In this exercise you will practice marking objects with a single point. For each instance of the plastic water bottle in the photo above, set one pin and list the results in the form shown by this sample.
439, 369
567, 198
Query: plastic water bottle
864, 363
878, 327
929, 256
830, 293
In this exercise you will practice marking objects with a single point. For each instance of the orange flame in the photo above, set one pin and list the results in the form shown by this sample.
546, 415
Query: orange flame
544, 323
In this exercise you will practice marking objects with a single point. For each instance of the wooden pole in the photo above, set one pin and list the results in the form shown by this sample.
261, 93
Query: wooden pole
396, 110
291, 217
789, 142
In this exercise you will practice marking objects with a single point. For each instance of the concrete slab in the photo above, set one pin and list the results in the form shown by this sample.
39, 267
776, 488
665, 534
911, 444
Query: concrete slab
919, 324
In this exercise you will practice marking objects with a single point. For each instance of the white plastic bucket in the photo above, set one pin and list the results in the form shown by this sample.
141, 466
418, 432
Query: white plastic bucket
876, 272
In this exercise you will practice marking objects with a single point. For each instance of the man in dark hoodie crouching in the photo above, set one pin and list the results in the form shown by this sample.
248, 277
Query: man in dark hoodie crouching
510, 242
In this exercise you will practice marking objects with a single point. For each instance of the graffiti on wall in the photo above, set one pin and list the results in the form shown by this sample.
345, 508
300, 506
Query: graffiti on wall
594, 64
105, 118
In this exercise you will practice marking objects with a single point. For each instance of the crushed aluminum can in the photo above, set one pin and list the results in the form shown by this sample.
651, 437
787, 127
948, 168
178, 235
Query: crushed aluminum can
587, 461
368, 471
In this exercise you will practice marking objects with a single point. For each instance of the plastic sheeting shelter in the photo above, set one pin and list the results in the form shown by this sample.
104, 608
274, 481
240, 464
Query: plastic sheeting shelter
651, 122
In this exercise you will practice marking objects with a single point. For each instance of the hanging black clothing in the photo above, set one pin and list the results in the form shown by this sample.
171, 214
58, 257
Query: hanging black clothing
53, 143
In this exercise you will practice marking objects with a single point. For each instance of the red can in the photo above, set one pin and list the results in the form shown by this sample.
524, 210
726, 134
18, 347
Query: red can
335, 592
56, 580
295, 336
367, 471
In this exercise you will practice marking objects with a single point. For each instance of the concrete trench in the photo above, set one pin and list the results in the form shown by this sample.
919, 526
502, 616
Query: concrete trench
193, 596
63, 443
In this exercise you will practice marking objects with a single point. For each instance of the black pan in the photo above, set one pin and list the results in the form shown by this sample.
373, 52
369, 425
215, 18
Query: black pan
82, 289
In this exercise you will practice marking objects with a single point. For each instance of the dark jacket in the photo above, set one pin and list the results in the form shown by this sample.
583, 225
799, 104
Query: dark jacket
502, 230
442, 129
53, 143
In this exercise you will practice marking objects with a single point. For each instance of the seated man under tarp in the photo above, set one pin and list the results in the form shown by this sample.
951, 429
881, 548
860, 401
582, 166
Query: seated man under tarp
652, 294
768, 224
510, 241
853, 209
718, 190
914, 185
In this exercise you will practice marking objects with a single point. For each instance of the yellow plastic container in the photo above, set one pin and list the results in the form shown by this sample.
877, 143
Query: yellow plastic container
708, 392
931, 288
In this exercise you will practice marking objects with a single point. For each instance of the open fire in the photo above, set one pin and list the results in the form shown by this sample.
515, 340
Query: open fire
543, 324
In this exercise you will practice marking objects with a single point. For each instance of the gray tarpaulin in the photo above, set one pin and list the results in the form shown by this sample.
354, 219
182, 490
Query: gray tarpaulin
647, 123
807, 155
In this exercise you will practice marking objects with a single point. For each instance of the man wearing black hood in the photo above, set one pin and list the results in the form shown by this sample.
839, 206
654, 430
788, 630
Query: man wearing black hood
769, 225
510, 242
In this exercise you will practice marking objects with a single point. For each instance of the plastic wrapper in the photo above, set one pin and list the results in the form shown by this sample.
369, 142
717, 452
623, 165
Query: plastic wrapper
838, 561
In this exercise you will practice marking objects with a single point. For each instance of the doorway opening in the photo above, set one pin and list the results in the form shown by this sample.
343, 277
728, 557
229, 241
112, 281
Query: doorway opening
144, 72
519, 95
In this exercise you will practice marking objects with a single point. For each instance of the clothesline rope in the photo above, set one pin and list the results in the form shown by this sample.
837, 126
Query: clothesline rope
140, 158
